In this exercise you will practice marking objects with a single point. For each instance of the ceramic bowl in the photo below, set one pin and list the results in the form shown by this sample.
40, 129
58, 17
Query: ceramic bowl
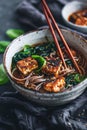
48, 99
70, 8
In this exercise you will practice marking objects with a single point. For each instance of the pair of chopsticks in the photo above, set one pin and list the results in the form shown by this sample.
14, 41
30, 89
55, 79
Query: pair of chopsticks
51, 21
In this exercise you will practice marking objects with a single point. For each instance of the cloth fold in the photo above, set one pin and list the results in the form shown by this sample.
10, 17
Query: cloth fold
30, 13
18, 113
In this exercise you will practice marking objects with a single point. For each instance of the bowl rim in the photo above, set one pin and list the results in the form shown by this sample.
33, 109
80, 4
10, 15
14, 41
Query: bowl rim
66, 20
37, 92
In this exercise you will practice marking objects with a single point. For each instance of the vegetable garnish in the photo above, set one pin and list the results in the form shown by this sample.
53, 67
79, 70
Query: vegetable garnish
74, 79
19, 56
41, 61
27, 51
14, 33
78, 78
3, 45
37, 50
3, 77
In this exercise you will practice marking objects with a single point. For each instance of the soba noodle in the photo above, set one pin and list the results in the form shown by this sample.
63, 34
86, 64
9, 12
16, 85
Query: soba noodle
40, 68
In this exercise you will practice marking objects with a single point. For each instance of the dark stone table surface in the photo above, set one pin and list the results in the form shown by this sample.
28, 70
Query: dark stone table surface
7, 20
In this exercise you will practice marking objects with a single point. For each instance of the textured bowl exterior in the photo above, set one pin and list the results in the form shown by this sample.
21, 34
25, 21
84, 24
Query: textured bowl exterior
70, 8
47, 99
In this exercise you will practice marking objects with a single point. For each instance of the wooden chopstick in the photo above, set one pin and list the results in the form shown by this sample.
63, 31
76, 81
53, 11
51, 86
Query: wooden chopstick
55, 38
50, 18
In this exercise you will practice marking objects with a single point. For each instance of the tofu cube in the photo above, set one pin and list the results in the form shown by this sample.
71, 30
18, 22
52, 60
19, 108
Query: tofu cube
26, 65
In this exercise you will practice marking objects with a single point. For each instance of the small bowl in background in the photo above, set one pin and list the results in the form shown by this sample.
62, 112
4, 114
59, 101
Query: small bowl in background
70, 8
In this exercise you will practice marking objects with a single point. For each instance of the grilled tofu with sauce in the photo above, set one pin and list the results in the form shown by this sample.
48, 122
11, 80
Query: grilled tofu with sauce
52, 68
27, 65
55, 86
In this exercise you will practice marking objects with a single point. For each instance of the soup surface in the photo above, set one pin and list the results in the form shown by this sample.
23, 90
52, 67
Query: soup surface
40, 68
79, 17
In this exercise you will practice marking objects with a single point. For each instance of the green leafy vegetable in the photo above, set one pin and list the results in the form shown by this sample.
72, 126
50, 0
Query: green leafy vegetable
19, 56
28, 49
73, 79
69, 62
41, 61
3, 77
41, 50
44, 49
78, 78
3, 45
14, 33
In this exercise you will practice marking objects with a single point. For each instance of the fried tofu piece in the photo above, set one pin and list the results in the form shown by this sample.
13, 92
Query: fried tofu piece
52, 69
55, 86
27, 65
81, 21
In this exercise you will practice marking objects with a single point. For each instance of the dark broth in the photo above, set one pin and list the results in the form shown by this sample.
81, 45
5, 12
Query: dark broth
50, 71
